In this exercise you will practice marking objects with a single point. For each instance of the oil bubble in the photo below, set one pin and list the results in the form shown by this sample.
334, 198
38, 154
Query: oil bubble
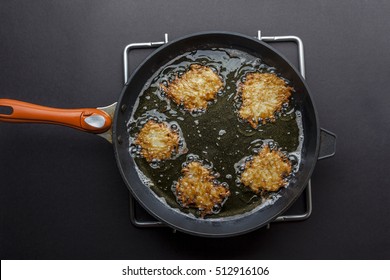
155, 163
191, 157
271, 145
247, 131
216, 208
293, 159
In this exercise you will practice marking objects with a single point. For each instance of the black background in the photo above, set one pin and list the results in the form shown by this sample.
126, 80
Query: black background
61, 195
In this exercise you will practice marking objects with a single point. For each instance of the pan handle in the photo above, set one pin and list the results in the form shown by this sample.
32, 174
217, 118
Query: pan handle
86, 119
327, 144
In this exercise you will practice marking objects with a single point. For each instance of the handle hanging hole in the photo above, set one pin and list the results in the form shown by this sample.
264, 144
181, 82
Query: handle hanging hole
6, 110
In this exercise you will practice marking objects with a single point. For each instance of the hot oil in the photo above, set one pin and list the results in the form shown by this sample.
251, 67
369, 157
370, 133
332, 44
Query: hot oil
216, 136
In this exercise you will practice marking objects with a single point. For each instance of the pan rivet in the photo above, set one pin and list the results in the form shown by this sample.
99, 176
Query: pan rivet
119, 138
123, 108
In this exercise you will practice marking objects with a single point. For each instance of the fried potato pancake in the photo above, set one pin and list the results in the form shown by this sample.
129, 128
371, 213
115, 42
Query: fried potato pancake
196, 188
262, 95
266, 171
157, 141
195, 88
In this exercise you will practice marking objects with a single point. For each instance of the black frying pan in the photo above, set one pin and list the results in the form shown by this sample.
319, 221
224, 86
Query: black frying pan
99, 121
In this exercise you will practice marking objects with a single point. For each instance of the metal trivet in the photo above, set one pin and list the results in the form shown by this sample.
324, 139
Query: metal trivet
136, 211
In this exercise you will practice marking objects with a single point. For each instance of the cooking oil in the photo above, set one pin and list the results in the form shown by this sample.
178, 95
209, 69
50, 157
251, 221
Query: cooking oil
217, 136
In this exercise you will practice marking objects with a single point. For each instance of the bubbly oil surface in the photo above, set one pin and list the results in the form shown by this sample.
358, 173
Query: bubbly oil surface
217, 136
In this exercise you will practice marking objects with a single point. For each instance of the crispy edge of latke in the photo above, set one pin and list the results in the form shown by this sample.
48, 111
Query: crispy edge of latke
147, 150
205, 178
281, 98
172, 90
260, 172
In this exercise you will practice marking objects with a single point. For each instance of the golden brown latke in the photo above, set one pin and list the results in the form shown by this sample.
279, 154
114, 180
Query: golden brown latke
197, 86
197, 189
157, 141
266, 171
262, 95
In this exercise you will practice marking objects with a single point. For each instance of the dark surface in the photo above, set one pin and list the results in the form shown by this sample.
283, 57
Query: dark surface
61, 195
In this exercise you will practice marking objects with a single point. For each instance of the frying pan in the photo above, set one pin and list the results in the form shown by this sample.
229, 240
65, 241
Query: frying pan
110, 123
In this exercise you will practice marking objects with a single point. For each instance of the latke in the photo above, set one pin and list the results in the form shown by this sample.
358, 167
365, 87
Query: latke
194, 88
266, 171
157, 140
262, 94
197, 188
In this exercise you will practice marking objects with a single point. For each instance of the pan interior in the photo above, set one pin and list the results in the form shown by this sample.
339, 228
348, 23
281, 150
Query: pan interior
217, 137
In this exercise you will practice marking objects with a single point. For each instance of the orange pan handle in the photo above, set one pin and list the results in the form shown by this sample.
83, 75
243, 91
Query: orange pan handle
86, 119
